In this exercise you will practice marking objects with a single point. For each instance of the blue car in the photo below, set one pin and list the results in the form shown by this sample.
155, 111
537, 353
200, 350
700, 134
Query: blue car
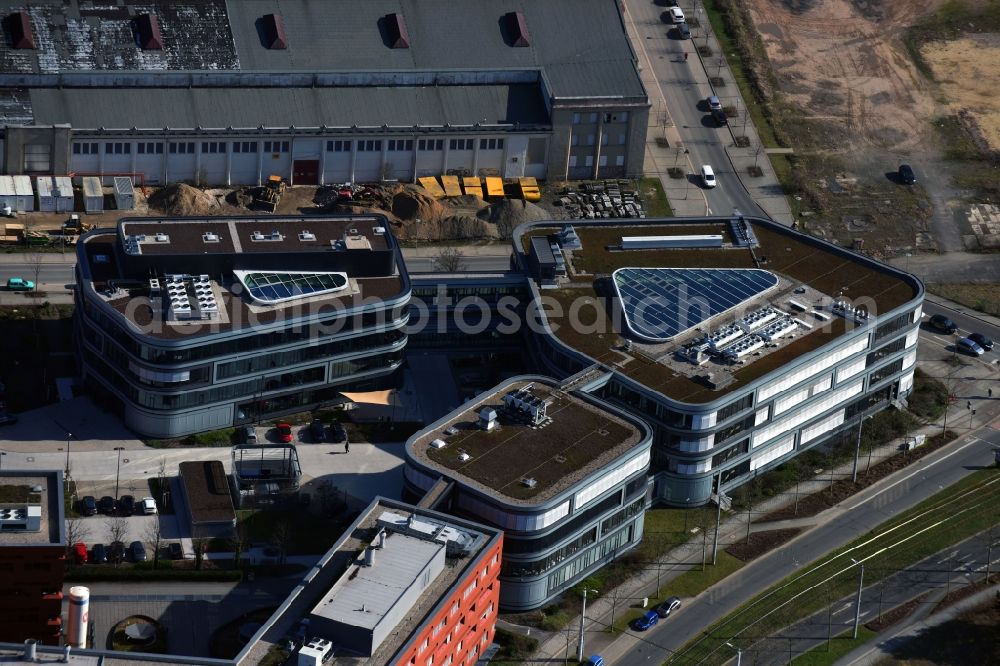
646, 621
595, 660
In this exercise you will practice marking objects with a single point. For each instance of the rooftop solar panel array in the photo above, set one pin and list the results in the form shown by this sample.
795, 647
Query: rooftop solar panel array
660, 303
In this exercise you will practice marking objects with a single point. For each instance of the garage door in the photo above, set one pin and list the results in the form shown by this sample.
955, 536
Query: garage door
305, 172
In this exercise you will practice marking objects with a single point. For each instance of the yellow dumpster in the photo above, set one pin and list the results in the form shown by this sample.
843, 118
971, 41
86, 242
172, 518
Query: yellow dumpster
472, 185
529, 189
494, 187
451, 186
430, 184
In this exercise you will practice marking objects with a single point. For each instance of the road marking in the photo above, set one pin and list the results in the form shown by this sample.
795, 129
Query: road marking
972, 441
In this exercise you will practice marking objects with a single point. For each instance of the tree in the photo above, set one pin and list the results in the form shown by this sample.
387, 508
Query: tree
162, 483
77, 531
240, 541
154, 537
117, 528
450, 260
280, 537
34, 260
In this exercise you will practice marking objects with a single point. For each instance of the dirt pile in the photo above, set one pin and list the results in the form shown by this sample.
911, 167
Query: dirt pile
413, 203
180, 200
507, 214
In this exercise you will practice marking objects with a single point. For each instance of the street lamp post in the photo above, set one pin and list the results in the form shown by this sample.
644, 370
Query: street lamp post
739, 653
118, 469
857, 605
69, 436
583, 618
857, 449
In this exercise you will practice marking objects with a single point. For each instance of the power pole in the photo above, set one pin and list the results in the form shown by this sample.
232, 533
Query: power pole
718, 519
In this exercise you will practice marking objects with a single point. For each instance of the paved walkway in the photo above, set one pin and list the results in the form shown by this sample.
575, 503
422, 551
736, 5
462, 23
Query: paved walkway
553, 646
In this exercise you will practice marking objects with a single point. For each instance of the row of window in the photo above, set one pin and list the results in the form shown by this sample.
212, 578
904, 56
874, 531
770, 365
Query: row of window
334, 146
591, 139
588, 160
599, 553
618, 117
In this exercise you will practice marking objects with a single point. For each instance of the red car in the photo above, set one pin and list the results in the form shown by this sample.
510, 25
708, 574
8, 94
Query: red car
284, 432
80, 553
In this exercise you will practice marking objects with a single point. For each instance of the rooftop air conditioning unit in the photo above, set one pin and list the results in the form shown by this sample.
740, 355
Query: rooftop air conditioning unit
438, 444
352, 231
257, 236
211, 238
162, 238
464, 457
378, 230
307, 236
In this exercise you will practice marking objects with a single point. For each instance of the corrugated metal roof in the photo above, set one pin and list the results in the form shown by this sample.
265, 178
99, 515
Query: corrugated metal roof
281, 107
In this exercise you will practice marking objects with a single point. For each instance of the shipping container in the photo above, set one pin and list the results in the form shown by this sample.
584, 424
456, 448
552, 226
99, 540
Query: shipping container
93, 195
25, 195
44, 187
63, 194
124, 193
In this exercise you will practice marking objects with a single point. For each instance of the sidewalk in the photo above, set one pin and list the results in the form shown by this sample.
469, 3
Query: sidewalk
688, 556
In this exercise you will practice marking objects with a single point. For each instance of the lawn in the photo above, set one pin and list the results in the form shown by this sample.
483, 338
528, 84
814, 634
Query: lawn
824, 654
308, 534
966, 508
654, 198
980, 297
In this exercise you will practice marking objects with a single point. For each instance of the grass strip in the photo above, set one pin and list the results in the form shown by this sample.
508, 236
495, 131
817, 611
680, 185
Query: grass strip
824, 654
965, 509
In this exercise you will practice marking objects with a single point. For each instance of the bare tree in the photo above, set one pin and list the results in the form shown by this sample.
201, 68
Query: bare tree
162, 483
280, 538
154, 537
33, 261
450, 260
240, 541
77, 531
117, 528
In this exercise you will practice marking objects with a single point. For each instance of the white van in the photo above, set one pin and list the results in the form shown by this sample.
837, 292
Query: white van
707, 175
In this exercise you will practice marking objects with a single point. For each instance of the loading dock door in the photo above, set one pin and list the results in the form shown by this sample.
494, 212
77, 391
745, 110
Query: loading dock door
305, 172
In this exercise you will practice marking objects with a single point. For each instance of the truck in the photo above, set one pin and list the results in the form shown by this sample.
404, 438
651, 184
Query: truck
74, 226
266, 197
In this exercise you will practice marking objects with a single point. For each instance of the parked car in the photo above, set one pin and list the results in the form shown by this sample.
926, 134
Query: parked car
137, 551
720, 117
80, 553
248, 434
595, 660
175, 551
667, 607
338, 434
983, 341
19, 284
943, 324
126, 505
906, 174
88, 506
116, 551
676, 15
147, 506
714, 103
98, 554
708, 175
967, 346
284, 432
683, 31
316, 431
646, 621
106, 505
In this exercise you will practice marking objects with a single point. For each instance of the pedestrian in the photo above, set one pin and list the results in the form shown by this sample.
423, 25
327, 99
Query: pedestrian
989, 392
685, 56
347, 446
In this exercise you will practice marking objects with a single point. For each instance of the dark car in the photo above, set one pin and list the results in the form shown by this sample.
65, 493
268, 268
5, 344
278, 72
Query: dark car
943, 324
137, 551
720, 116
967, 346
338, 434
316, 431
126, 505
106, 505
906, 174
116, 551
645, 622
174, 551
248, 434
683, 31
98, 554
667, 607
88, 506
983, 341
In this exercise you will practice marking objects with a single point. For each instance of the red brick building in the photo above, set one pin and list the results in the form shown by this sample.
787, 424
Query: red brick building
32, 556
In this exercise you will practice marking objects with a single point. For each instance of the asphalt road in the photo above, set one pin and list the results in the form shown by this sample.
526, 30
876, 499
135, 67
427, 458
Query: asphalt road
683, 85
966, 323
863, 513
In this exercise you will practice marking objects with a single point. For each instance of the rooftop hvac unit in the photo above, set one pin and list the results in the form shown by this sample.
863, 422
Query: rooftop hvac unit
210, 237
464, 457
378, 230
161, 238
438, 444
257, 236
307, 236
487, 418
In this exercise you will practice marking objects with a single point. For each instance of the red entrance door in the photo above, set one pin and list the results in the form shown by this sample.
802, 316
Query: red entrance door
305, 172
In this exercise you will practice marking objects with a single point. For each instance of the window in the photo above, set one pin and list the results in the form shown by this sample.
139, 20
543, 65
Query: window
400, 144
621, 139
576, 118
213, 147
588, 161
883, 351
603, 161
593, 118
150, 148
620, 117
890, 327
275, 146
244, 146
423, 646
431, 144
491, 144
735, 407
338, 146
575, 140
87, 148
369, 145
604, 139
460, 144
469, 590
590, 139
182, 148
117, 148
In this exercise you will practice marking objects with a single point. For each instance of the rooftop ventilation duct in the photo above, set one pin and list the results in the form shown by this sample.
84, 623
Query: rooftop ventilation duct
18, 26
148, 28
273, 29
396, 35
517, 28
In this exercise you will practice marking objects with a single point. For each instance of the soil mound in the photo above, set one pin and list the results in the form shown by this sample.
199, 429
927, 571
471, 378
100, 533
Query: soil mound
180, 199
507, 214
413, 203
